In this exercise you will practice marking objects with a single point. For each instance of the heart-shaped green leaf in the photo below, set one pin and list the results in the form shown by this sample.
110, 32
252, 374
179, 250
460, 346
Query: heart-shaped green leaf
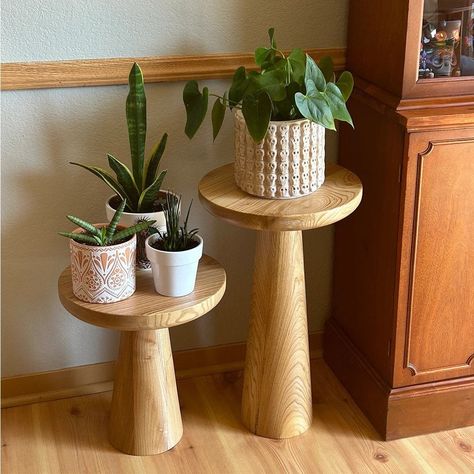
257, 110
218, 113
315, 108
238, 86
273, 82
315, 74
196, 107
337, 104
327, 68
346, 84
297, 60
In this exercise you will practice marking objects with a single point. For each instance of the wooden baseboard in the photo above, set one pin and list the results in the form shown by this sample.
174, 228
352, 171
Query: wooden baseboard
96, 378
113, 71
401, 412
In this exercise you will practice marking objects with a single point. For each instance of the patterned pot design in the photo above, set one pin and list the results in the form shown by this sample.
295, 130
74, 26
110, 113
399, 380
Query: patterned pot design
288, 163
103, 274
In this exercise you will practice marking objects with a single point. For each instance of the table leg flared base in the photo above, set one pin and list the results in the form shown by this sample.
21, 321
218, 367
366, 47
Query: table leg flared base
145, 417
276, 400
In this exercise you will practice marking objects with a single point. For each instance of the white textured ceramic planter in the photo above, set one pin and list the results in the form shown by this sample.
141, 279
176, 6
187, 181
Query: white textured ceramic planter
129, 219
287, 163
103, 274
174, 273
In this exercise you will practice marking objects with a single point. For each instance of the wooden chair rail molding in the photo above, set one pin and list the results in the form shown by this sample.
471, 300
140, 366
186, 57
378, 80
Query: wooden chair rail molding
96, 378
113, 71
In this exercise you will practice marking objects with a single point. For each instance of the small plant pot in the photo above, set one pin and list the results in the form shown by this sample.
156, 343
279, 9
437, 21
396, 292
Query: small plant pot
129, 219
174, 273
103, 274
288, 163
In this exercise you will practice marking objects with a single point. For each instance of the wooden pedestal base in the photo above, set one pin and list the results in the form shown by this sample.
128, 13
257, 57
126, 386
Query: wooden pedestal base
145, 416
276, 399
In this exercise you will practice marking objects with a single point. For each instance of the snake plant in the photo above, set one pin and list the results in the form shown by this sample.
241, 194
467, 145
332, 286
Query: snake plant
140, 186
108, 235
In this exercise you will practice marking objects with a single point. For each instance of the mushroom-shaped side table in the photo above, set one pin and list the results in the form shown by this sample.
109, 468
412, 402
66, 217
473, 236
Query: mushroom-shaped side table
145, 416
276, 400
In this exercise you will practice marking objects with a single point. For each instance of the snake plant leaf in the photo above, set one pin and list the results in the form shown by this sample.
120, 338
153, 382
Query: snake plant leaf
154, 161
217, 116
106, 177
136, 121
112, 227
84, 225
125, 179
150, 194
257, 110
346, 84
337, 104
238, 87
297, 61
327, 68
195, 103
315, 74
315, 108
129, 231
81, 238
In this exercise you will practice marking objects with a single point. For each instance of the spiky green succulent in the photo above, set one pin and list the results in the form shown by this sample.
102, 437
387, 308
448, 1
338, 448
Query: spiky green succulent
139, 187
108, 235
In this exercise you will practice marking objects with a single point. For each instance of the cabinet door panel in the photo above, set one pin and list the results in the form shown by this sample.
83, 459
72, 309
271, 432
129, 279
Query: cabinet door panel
437, 260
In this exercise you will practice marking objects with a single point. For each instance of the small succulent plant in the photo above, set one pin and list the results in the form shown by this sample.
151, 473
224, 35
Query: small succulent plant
108, 235
177, 237
141, 185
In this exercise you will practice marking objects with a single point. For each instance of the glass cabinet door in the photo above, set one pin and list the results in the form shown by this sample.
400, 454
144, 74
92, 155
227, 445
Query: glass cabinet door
447, 39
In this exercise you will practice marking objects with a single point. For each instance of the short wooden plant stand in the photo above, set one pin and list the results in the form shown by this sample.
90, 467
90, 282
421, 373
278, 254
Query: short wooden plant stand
145, 416
277, 387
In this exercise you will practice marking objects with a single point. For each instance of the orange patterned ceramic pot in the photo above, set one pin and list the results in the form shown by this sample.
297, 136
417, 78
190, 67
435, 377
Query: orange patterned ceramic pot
103, 274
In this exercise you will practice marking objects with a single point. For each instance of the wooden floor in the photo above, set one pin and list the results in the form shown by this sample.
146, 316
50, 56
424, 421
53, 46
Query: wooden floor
70, 436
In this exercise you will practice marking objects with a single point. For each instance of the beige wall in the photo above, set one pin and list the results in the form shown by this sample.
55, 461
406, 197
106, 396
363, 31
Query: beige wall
44, 129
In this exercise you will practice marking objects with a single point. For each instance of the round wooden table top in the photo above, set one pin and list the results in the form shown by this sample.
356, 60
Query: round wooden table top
338, 197
146, 309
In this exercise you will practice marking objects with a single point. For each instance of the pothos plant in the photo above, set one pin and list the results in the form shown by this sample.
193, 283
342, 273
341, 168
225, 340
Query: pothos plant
140, 186
286, 87
106, 235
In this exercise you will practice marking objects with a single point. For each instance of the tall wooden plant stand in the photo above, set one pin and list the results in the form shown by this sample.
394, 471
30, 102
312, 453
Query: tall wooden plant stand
145, 416
276, 399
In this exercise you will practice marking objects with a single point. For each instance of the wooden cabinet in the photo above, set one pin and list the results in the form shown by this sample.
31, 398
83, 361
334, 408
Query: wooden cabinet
401, 335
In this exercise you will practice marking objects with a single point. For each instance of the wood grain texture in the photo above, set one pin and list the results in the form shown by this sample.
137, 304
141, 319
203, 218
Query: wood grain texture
146, 309
70, 437
339, 196
95, 378
113, 71
276, 399
145, 417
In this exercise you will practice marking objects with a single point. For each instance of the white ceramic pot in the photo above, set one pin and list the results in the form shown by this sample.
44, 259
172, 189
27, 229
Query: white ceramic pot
131, 218
174, 273
103, 274
287, 163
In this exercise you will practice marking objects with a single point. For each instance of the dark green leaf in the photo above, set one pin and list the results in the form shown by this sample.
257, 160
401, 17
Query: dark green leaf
271, 35
150, 194
257, 110
297, 60
125, 179
273, 82
327, 67
337, 104
238, 87
136, 121
196, 107
261, 55
315, 108
218, 113
154, 161
115, 220
314, 73
346, 84
129, 231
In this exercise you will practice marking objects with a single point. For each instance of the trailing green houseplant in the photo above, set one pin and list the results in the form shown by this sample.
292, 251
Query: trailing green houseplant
103, 258
174, 253
286, 87
141, 185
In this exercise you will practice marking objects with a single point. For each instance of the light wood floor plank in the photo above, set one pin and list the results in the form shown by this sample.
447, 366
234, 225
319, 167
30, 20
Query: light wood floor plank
70, 436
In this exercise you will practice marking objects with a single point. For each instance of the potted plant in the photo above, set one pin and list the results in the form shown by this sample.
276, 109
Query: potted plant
103, 258
141, 185
174, 254
281, 113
